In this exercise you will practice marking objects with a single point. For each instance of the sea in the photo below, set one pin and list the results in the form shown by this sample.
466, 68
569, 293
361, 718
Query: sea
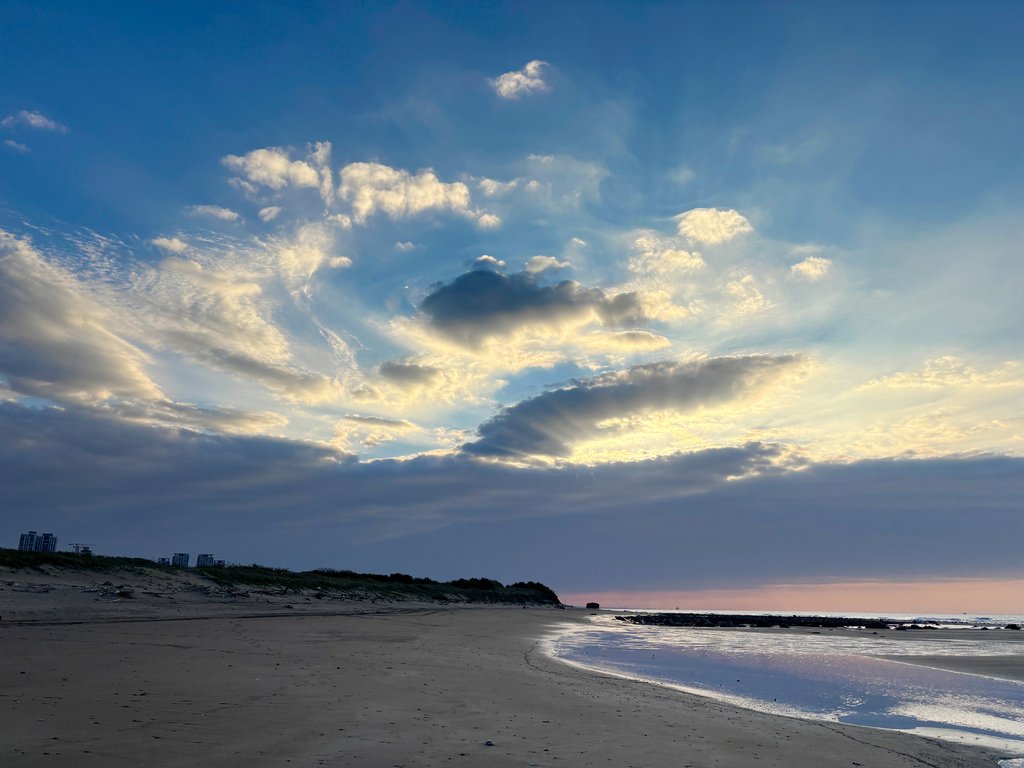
836, 676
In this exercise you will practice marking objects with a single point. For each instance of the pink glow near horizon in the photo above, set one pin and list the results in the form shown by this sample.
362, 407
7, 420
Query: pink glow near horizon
975, 596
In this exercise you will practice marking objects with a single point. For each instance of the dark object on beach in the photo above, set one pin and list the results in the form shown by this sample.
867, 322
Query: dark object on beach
594, 606
1012, 626
488, 743
761, 621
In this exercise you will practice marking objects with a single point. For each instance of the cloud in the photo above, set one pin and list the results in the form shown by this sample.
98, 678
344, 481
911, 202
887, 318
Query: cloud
408, 374
712, 226
488, 262
482, 303
300, 255
678, 521
373, 187
950, 371
494, 188
371, 431
405, 246
58, 341
528, 80
812, 268
213, 310
487, 220
623, 341
273, 167
172, 244
216, 211
549, 424
269, 213
537, 264
36, 120
220, 419
746, 295
658, 257
23, 149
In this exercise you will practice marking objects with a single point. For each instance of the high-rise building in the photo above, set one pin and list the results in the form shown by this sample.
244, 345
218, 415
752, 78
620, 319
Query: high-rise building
34, 542
204, 561
180, 559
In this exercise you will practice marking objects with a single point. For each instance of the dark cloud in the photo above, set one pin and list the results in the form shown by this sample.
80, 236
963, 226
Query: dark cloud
408, 374
484, 303
550, 423
677, 522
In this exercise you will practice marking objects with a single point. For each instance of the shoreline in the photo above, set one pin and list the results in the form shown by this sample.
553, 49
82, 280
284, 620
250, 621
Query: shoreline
398, 685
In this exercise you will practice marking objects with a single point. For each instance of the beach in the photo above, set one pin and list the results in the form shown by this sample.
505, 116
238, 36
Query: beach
261, 681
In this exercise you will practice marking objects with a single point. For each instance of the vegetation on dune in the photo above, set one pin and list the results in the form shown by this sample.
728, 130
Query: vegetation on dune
13, 558
322, 582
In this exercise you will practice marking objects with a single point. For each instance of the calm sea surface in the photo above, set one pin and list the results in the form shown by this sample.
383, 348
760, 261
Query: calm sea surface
828, 676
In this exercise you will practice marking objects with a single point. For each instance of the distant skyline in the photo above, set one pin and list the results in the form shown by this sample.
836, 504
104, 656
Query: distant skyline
690, 298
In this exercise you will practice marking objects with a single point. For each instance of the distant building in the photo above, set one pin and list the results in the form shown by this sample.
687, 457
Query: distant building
219, 564
163, 561
180, 559
34, 542
204, 561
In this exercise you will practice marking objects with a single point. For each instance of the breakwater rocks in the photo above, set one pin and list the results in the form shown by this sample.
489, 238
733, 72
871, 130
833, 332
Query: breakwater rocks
736, 620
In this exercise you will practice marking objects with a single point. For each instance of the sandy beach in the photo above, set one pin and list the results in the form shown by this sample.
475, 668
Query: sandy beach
224, 681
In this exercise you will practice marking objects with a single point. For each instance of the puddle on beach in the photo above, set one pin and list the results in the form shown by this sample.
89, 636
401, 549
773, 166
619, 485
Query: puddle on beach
820, 677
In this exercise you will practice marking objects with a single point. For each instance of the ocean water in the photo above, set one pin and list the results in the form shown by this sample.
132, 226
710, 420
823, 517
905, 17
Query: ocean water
829, 676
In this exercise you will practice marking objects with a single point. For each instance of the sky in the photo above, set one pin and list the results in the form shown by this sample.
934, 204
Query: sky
711, 302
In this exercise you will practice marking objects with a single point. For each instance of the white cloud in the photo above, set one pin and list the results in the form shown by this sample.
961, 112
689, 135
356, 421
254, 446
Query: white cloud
216, 211
657, 256
746, 295
59, 341
23, 149
488, 261
373, 187
523, 82
537, 264
951, 371
812, 268
406, 246
493, 188
370, 431
172, 244
35, 120
273, 168
270, 212
300, 256
488, 221
712, 225
341, 220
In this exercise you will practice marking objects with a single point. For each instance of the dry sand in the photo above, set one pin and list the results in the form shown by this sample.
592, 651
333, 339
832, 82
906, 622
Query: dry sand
153, 682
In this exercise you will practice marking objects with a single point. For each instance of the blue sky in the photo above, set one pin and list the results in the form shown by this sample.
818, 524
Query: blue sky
353, 278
